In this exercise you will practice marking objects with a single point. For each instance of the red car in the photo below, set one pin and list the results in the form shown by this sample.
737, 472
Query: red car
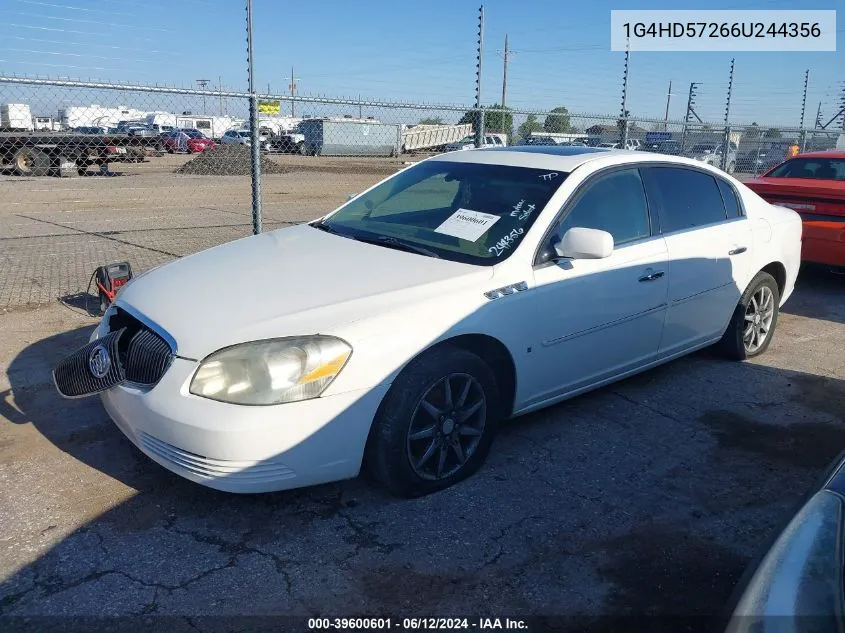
813, 184
186, 140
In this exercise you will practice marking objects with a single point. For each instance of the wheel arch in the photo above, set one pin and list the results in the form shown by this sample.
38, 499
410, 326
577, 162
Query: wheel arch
778, 271
492, 351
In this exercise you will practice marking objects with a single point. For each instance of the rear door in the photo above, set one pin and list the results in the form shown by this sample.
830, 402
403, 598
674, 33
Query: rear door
709, 253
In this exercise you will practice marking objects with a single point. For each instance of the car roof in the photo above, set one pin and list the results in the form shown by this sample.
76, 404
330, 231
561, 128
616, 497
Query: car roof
565, 158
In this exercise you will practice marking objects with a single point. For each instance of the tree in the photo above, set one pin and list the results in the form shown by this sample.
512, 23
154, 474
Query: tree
772, 132
531, 125
431, 120
493, 121
558, 122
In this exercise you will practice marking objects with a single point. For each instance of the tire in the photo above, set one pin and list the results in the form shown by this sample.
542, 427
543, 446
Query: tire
414, 466
31, 162
735, 345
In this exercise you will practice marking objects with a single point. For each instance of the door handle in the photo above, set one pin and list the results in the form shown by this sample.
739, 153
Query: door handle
737, 250
652, 276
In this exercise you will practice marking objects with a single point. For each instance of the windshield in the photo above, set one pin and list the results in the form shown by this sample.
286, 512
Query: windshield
467, 139
194, 134
704, 147
464, 212
814, 168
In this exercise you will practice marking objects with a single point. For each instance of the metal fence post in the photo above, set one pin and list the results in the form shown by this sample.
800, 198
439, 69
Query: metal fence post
623, 133
479, 113
726, 143
253, 127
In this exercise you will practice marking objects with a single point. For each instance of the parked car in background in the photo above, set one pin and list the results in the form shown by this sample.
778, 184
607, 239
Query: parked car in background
813, 184
763, 157
190, 141
711, 153
451, 295
291, 142
468, 142
608, 145
90, 130
244, 137
138, 130
537, 140
797, 586
672, 148
633, 143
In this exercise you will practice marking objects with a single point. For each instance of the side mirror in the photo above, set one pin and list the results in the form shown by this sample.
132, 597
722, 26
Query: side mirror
582, 243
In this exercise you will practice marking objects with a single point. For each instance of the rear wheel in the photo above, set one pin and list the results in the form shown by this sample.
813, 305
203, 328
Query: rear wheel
31, 162
754, 320
436, 424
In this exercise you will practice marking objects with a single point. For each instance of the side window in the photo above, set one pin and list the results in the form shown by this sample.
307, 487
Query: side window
614, 203
729, 198
687, 198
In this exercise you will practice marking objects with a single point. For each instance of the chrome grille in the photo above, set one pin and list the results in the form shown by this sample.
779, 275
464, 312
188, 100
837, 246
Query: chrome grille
73, 377
144, 354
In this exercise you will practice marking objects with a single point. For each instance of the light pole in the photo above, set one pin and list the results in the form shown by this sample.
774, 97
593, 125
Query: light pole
202, 83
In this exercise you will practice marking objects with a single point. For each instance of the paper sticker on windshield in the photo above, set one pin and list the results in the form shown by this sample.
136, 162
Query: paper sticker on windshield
467, 225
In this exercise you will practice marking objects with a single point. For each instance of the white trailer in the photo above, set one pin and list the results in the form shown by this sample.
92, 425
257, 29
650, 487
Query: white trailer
46, 124
212, 126
15, 117
95, 115
419, 137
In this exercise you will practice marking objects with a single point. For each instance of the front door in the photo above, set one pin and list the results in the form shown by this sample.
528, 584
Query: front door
597, 318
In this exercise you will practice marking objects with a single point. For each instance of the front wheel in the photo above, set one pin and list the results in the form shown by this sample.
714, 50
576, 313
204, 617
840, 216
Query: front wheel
754, 320
436, 424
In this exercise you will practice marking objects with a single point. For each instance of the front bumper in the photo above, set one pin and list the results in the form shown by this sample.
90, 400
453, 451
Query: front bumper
245, 449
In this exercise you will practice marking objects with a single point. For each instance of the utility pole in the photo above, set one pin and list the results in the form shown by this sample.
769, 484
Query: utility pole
726, 143
202, 83
360, 110
668, 101
818, 116
506, 55
292, 86
479, 113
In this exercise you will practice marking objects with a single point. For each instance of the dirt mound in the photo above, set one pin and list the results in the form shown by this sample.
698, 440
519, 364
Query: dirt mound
229, 160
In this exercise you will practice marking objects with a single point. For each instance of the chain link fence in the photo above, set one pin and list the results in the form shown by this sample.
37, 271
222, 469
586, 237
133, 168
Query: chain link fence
93, 173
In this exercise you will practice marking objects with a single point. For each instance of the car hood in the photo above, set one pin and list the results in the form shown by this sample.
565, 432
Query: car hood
289, 282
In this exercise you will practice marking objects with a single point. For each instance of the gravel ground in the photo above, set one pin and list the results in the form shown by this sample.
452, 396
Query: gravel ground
648, 497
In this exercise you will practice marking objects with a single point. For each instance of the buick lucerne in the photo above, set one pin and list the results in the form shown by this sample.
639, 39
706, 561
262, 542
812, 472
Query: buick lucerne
395, 332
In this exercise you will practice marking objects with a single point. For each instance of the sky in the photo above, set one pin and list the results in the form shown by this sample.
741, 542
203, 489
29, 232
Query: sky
404, 51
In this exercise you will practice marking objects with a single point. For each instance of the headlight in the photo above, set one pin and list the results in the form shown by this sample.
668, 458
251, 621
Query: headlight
272, 371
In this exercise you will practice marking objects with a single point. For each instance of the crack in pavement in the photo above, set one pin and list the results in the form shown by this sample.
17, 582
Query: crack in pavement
504, 532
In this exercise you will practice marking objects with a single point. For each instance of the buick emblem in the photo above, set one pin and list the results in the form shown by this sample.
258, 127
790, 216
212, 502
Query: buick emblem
99, 361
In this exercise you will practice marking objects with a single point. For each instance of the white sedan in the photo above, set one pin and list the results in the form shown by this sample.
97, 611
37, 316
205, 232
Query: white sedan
396, 332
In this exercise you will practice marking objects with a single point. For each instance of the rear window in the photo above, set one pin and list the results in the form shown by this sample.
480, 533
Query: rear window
687, 198
812, 168
729, 198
